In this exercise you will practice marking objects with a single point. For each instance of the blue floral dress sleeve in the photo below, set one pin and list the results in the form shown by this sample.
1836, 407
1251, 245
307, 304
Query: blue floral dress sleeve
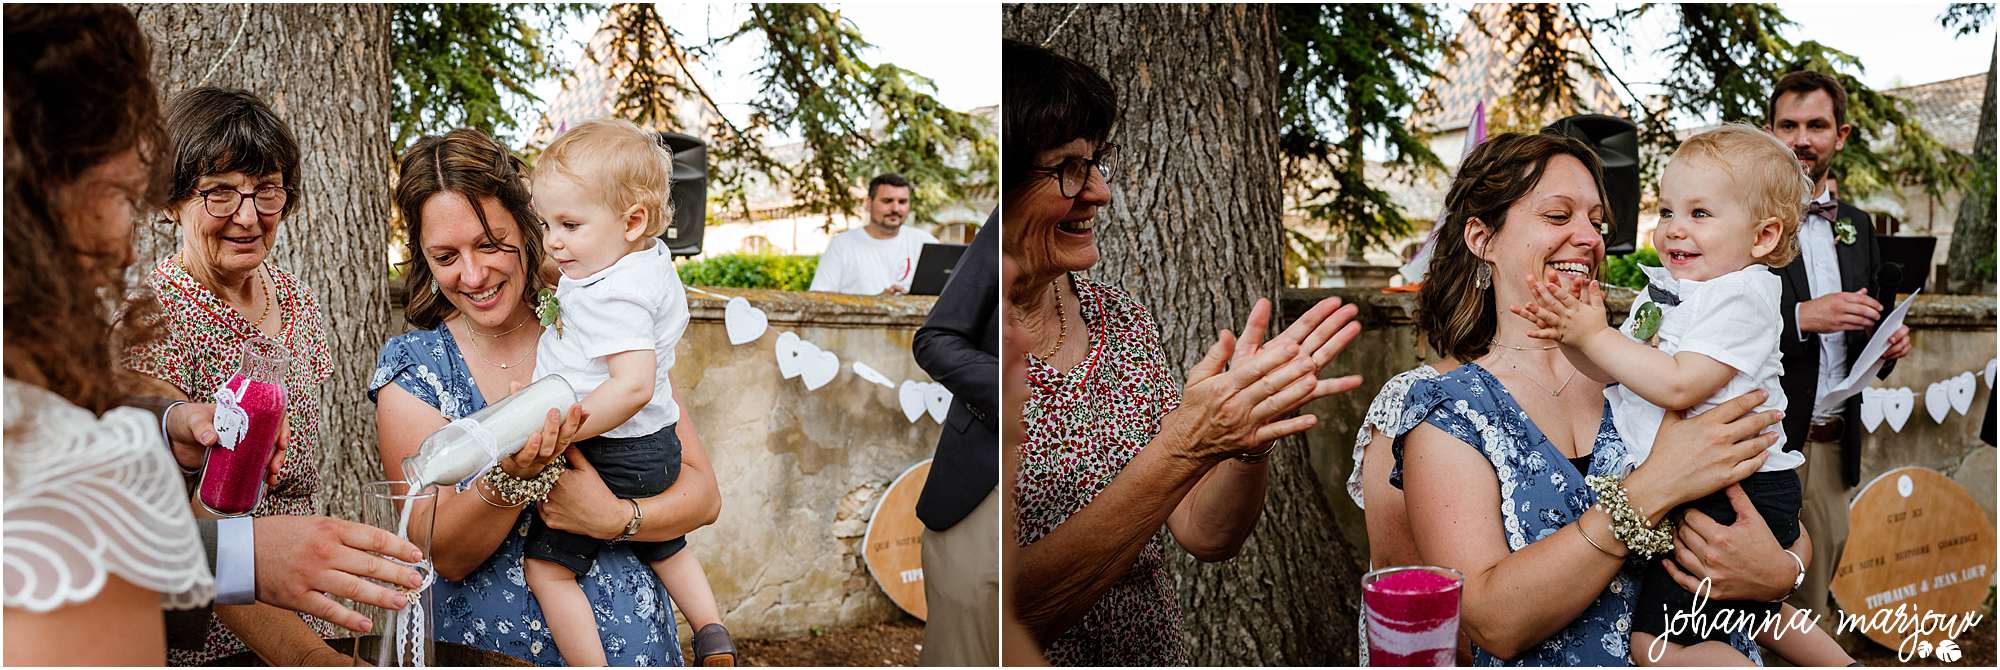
492, 608
1540, 493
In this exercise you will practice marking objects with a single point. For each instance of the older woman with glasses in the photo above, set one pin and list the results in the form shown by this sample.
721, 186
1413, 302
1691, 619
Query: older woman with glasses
1116, 450
235, 171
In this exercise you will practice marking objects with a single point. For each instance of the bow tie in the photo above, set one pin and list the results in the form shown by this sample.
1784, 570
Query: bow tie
1663, 296
1825, 210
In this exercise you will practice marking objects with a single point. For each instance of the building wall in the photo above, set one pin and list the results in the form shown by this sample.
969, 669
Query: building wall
800, 472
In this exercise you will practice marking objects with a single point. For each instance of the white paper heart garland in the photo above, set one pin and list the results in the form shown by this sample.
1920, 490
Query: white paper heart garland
911, 396
938, 402
863, 371
1896, 407
788, 354
1937, 400
744, 323
1962, 388
1871, 408
1989, 371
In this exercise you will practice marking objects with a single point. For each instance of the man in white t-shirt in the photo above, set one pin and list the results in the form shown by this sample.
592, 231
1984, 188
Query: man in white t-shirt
878, 258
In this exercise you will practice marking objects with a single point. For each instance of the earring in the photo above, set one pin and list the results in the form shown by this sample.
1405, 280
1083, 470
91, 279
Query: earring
1483, 278
435, 288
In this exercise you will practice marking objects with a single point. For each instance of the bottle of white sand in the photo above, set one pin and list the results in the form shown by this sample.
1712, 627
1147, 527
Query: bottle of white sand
465, 448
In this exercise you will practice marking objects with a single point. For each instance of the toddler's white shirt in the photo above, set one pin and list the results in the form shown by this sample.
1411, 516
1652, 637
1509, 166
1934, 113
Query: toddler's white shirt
637, 303
1733, 319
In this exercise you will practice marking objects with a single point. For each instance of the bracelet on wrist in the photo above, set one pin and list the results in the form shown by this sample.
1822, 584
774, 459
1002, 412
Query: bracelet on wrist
1592, 541
1259, 456
516, 491
1628, 523
1798, 581
168, 435
481, 490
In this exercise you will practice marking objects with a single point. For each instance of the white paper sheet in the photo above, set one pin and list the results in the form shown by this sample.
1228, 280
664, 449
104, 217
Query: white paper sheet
1864, 368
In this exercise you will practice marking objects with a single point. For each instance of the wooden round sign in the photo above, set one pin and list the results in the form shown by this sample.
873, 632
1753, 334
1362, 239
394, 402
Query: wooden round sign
1919, 559
893, 546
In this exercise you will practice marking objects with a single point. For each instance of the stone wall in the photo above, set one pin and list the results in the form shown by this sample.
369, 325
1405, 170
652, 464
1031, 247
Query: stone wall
800, 472
1951, 334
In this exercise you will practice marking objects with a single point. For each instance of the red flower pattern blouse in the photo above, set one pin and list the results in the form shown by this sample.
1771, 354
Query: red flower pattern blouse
1084, 425
199, 352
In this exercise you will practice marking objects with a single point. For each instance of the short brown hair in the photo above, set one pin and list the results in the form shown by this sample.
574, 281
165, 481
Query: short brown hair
1457, 317
1768, 174
620, 164
79, 94
1807, 81
467, 163
224, 130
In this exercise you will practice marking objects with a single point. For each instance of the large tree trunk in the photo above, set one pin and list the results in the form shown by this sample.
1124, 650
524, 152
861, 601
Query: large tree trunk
1194, 232
1972, 232
325, 70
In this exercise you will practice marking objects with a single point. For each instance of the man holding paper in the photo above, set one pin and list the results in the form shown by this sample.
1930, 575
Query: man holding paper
1831, 302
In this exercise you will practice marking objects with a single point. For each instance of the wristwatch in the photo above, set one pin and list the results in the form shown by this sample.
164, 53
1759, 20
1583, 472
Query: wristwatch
638, 515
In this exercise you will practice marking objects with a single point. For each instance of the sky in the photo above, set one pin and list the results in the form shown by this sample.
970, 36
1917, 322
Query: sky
955, 45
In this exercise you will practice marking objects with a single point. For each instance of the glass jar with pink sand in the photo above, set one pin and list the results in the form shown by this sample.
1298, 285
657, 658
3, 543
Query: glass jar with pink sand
249, 414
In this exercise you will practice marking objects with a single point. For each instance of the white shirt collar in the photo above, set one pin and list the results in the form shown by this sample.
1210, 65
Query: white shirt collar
652, 250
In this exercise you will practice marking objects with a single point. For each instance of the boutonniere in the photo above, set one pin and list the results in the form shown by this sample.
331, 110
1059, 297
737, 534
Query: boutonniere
548, 310
1646, 324
1844, 231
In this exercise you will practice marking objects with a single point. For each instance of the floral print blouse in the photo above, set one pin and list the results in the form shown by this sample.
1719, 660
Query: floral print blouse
1540, 493
1084, 425
492, 608
199, 353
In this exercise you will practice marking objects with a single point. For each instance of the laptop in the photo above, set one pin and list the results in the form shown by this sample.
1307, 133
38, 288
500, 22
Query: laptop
1906, 262
934, 266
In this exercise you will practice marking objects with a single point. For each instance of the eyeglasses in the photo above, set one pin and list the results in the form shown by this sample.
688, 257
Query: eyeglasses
1071, 175
224, 201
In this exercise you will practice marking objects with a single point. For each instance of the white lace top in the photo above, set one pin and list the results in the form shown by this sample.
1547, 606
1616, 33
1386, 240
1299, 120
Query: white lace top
1384, 412
91, 496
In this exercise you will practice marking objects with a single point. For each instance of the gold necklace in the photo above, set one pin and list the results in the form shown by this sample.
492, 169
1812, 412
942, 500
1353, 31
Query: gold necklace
482, 357
264, 279
509, 331
1545, 388
1498, 343
1062, 320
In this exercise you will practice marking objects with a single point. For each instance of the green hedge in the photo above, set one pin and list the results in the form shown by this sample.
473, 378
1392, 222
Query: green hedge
789, 273
1624, 270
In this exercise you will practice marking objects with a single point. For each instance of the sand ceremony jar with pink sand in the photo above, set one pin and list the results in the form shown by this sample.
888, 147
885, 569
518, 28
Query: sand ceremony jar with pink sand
1412, 615
249, 413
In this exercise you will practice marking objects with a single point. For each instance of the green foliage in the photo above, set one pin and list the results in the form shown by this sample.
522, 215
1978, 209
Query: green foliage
789, 273
813, 81
1624, 270
452, 62
1723, 60
1967, 17
1346, 73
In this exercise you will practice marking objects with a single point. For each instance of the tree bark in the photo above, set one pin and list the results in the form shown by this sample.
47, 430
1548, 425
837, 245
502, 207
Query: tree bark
325, 70
1972, 232
1194, 232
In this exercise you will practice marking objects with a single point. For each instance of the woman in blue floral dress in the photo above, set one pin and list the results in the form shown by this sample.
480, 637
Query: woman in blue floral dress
469, 284
1513, 513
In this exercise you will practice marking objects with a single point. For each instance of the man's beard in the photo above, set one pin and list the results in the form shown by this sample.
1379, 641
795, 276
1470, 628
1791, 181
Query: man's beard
1819, 168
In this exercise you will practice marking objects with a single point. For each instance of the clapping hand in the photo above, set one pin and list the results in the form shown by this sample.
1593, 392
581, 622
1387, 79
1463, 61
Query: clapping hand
1567, 314
1239, 396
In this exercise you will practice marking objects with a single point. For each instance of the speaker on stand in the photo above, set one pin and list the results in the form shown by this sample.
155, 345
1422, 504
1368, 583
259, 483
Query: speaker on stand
1616, 142
690, 193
